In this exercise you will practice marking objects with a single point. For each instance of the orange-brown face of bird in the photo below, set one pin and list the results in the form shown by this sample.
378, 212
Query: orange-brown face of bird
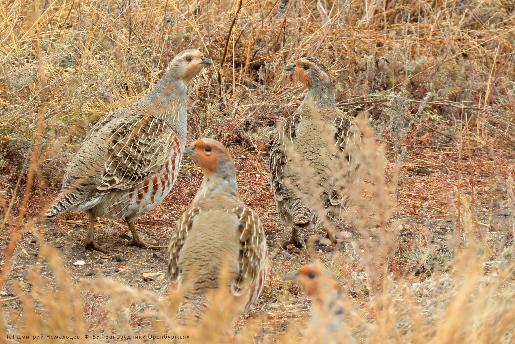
190, 63
207, 153
308, 277
312, 279
308, 71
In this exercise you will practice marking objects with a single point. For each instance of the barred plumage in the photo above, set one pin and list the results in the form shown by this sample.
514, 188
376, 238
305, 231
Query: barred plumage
218, 229
303, 132
129, 161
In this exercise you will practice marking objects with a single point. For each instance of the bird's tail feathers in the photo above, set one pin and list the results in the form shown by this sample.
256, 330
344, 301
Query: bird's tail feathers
64, 202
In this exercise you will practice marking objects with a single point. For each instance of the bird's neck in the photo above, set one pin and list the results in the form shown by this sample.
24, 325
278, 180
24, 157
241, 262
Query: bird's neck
168, 90
326, 292
321, 94
223, 181
168, 99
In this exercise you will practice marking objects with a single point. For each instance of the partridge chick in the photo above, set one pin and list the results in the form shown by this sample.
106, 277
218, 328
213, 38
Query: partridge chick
303, 132
327, 304
130, 160
217, 229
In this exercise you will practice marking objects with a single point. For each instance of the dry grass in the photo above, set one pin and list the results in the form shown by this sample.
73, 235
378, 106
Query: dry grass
433, 201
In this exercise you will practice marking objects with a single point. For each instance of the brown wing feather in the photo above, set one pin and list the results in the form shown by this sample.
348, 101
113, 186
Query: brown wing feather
346, 131
136, 149
253, 249
177, 241
343, 128
287, 131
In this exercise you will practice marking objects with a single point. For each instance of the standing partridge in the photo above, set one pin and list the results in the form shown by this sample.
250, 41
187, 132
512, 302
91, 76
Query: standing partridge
217, 230
327, 304
130, 160
303, 132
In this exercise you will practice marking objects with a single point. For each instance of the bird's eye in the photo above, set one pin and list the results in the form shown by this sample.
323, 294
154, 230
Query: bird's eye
311, 275
306, 67
188, 58
207, 149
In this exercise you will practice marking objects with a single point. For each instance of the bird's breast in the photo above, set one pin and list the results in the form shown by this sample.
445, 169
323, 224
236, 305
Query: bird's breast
212, 241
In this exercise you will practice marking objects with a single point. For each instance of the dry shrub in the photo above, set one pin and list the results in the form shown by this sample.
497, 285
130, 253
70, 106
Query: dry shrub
99, 56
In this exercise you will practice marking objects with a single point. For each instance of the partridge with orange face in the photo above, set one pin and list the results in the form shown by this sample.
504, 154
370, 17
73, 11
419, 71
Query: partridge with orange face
327, 304
304, 133
130, 160
218, 230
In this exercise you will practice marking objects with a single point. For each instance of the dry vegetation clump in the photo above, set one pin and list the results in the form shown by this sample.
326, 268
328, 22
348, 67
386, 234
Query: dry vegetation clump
431, 85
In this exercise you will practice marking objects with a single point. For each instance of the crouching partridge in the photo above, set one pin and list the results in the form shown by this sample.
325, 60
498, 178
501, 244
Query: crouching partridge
217, 230
327, 304
130, 160
303, 132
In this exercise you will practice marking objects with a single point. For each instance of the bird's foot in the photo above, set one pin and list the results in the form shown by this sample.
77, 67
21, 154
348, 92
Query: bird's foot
325, 244
294, 244
345, 235
92, 245
140, 243
330, 238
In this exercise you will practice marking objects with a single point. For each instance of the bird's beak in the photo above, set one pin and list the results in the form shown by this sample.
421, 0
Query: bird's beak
289, 67
188, 150
206, 61
291, 276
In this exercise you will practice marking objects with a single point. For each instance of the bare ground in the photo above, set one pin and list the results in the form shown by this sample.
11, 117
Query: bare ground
424, 210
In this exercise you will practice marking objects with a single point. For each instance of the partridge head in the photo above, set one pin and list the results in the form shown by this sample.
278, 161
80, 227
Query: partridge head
310, 72
211, 156
188, 63
315, 282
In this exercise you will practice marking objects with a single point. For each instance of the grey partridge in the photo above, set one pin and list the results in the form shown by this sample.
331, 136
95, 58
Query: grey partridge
303, 132
217, 230
130, 160
327, 304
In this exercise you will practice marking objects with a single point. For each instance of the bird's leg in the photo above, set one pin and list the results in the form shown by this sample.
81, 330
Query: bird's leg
295, 239
330, 235
136, 240
90, 240
331, 217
